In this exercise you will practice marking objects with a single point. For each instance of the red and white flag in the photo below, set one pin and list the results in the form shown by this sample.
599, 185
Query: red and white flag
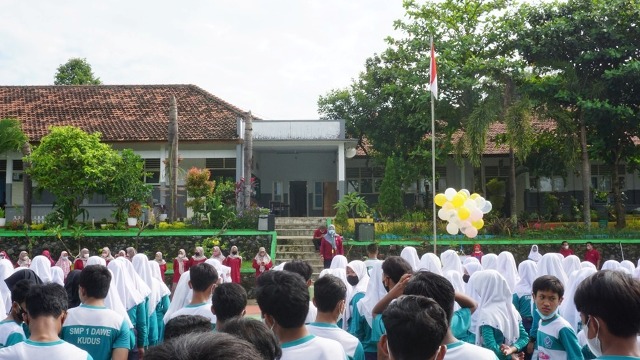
433, 73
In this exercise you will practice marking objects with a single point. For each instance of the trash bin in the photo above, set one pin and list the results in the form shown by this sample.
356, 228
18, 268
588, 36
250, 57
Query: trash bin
266, 222
365, 231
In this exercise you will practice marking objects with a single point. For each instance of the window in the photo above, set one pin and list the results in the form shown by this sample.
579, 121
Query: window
546, 184
277, 194
18, 168
318, 195
364, 180
221, 168
152, 170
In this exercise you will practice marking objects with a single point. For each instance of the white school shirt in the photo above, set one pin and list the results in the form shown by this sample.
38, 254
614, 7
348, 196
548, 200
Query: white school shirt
97, 330
54, 350
369, 264
352, 346
312, 347
11, 333
311, 314
461, 350
202, 309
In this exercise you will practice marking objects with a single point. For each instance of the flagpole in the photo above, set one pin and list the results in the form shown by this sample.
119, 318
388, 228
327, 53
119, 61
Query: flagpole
433, 156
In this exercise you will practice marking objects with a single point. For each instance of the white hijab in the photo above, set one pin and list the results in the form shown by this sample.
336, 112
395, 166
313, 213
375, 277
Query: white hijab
636, 273
181, 296
339, 262
628, 265
507, 267
490, 262
455, 278
124, 284
451, 261
610, 265
96, 260
279, 267
410, 254
375, 292
142, 286
431, 262
224, 272
528, 271
6, 270
41, 265
587, 264
57, 275
143, 269
568, 307
570, 264
550, 264
157, 274
495, 308
470, 259
534, 255
360, 269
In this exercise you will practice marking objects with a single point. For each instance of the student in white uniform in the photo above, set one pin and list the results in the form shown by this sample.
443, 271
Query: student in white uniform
283, 299
11, 331
438, 288
46, 311
329, 296
228, 301
609, 305
372, 257
203, 281
92, 326
305, 270
407, 320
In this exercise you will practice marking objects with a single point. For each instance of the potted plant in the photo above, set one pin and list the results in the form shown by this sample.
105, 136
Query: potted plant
3, 220
135, 211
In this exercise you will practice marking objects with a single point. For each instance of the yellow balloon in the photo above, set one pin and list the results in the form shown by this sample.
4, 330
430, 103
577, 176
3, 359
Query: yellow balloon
440, 199
463, 213
474, 196
478, 224
464, 194
458, 200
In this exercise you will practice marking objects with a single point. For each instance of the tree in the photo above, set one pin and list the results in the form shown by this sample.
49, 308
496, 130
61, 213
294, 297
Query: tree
76, 71
12, 138
127, 186
72, 165
391, 196
580, 49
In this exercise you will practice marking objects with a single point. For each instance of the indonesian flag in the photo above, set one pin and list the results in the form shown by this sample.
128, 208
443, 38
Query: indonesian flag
433, 73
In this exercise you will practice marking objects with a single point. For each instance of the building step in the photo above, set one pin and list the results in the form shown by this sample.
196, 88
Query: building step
282, 221
298, 255
307, 248
298, 226
295, 232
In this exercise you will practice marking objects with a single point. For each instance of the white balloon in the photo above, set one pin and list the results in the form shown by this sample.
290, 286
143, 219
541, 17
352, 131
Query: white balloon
443, 214
487, 207
448, 206
450, 193
466, 192
470, 204
471, 232
452, 228
480, 202
475, 215
465, 225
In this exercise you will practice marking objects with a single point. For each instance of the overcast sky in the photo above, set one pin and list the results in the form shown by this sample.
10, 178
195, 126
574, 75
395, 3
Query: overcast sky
273, 57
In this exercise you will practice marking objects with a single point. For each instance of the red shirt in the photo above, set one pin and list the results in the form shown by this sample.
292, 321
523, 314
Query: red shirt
234, 263
327, 251
317, 234
78, 264
257, 267
176, 269
566, 252
592, 256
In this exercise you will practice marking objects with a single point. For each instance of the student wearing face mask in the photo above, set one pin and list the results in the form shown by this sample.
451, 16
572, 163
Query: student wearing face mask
198, 257
234, 261
556, 338
565, 250
11, 331
609, 306
180, 266
330, 246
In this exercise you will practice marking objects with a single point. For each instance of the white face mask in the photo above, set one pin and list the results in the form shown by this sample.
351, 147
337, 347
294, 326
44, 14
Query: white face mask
594, 344
332, 232
547, 317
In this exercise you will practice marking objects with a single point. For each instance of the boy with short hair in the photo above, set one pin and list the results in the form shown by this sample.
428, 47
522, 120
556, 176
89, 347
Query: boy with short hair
305, 270
11, 331
283, 299
186, 324
372, 256
609, 306
227, 302
556, 338
92, 326
330, 297
46, 311
203, 281
408, 320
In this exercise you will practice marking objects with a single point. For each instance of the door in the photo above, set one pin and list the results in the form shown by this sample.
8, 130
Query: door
298, 198
3, 189
329, 198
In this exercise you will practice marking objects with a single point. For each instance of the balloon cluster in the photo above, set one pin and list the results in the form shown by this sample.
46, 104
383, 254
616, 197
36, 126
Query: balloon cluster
462, 210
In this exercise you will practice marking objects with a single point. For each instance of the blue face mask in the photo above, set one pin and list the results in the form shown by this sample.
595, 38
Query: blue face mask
332, 232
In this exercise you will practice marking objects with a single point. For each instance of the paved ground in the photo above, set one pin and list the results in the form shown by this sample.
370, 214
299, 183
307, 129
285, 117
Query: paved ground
252, 309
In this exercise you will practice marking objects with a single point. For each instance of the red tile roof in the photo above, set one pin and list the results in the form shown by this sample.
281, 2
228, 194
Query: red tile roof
491, 146
121, 113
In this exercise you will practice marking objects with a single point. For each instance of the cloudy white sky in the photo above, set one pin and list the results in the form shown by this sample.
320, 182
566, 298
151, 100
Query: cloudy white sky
273, 57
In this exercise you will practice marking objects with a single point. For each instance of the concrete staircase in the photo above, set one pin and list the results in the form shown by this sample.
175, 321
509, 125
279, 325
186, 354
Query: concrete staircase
295, 241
